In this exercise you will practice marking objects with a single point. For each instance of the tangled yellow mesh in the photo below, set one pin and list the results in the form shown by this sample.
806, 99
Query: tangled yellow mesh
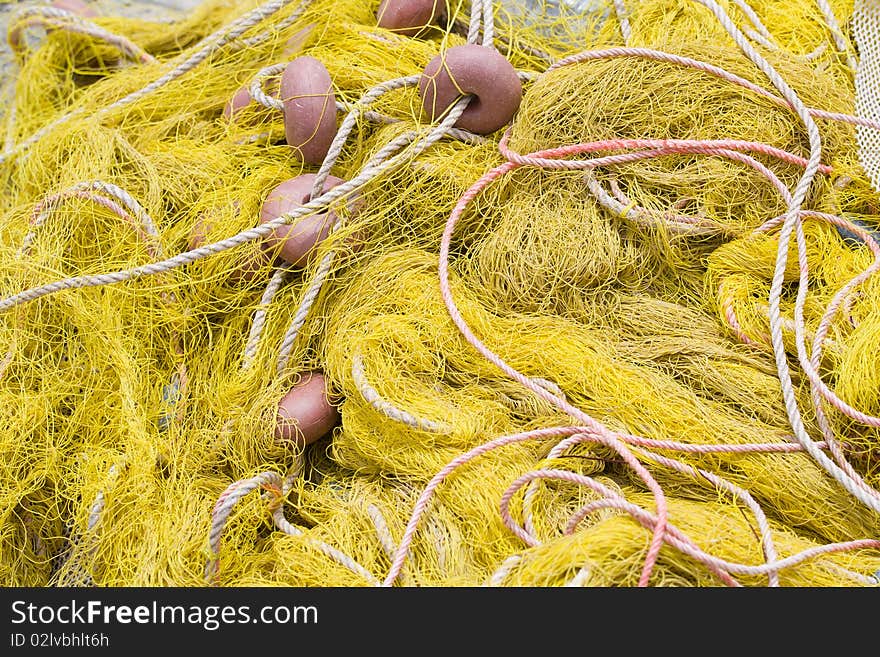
596, 398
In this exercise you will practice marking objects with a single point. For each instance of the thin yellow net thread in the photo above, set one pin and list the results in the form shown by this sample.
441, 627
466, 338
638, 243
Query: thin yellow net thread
563, 288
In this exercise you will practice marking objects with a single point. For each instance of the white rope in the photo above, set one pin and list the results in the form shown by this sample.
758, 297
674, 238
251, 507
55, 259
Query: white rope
372, 397
326, 263
66, 20
840, 40
497, 578
256, 86
279, 276
382, 531
209, 46
623, 20
580, 579
273, 482
791, 221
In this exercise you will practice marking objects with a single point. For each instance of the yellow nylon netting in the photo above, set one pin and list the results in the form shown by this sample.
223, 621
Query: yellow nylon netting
132, 410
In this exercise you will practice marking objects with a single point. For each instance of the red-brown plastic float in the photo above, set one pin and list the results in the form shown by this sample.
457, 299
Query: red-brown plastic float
408, 17
309, 108
305, 413
297, 240
472, 69
238, 102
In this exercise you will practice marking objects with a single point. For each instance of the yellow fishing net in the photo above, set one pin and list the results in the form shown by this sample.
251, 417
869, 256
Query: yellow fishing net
569, 374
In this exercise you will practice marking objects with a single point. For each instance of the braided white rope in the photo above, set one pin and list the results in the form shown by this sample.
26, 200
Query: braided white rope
279, 276
357, 110
482, 12
372, 397
476, 19
580, 577
257, 39
349, 122
623, 20
760, 34
791, 221
45, 208
223, 508
109, 189
46, 11
549, 386
481, 23
276, 486
839, 39
212, 44
497, 578
382, 531
488, 21
66, 20
382, 161
259, 95
208, 46
759, 38
326, 263
640, 218
336, 555
756, 22
255, 88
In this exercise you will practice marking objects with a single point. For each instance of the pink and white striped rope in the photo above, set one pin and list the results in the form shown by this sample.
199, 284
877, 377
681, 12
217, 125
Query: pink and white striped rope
671, 536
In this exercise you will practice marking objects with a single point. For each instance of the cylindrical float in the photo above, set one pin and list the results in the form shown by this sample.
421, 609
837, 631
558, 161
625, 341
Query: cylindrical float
408, 17
472, 69
299, 239
309, 108
305, 413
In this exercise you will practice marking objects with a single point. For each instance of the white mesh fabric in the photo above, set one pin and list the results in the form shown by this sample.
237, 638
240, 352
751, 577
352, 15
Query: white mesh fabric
866, 32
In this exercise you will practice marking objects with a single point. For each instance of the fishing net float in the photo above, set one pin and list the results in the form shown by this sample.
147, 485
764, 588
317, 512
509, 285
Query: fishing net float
408, 17
477, 71
396, 293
